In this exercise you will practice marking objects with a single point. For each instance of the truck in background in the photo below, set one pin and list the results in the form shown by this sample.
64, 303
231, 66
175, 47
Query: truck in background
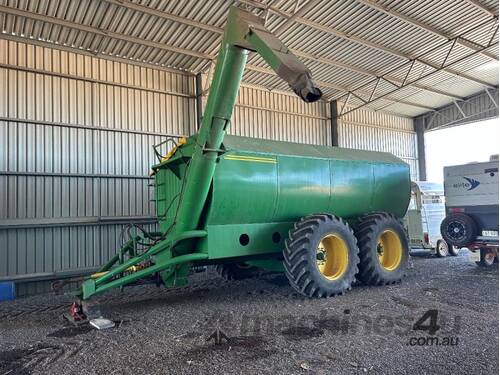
471, 195
423, 219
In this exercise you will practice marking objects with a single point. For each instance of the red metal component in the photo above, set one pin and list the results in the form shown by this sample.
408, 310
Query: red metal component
76, 312
483, 245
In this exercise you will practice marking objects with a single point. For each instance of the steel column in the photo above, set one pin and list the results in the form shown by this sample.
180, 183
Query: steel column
419, 126
199, 100
334, 122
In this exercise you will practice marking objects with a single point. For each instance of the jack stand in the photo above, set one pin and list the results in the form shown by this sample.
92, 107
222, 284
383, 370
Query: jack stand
75, 315
81, 312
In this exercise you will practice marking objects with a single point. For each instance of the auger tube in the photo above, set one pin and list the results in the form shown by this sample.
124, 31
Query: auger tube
244, 32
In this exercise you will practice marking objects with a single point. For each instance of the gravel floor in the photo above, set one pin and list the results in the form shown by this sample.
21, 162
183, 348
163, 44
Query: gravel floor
271, 330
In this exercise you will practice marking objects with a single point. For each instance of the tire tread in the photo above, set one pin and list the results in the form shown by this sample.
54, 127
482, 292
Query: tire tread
296, 252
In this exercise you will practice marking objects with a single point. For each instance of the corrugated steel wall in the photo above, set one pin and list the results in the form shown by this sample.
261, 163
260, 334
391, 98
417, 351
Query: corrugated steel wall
75, 149
280, 117
368, 130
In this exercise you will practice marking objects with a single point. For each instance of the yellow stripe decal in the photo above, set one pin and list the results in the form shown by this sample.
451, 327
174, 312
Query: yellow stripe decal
250, 158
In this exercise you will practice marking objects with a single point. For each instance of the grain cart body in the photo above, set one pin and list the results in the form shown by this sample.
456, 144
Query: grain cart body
223, 199
262, 187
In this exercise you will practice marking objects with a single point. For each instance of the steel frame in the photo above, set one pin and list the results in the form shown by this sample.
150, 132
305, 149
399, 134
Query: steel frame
460, 112
297, 16
491, 97
428, 28
364, 42
482, 8
410, 66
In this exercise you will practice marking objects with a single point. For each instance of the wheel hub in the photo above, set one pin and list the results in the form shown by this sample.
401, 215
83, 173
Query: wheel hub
389, 250
332, 256
456, 230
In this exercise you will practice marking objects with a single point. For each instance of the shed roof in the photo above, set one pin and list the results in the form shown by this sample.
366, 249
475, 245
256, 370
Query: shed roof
402, 56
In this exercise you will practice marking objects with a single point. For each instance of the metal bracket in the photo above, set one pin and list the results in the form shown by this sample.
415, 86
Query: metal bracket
219, 151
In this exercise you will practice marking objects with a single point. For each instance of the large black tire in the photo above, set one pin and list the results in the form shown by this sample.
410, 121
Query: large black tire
453, 250
321, 256
237, 271
458, 229
383, 249
442, 249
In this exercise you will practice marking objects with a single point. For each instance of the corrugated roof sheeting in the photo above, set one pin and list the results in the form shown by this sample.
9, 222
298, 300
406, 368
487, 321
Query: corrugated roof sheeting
330, 46
457, 85
357, 19
471, 64
482, 35
447, 16
346, 43
337, 76
266, 80
397, 108
455, 55
329, 73
488, 71
423, 98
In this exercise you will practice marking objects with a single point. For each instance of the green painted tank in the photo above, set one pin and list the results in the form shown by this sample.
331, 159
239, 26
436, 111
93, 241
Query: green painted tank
261, 188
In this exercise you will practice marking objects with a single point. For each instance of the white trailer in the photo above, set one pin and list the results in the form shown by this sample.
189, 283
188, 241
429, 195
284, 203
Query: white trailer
425, 213
471, 196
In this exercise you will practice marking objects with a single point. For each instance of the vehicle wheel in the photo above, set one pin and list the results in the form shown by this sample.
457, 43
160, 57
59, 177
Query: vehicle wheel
321, 256
383, 249
442, 249
236, 271
458, 229
487, 258
453, 250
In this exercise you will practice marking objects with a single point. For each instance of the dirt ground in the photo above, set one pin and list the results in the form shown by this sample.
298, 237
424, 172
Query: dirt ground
270, 329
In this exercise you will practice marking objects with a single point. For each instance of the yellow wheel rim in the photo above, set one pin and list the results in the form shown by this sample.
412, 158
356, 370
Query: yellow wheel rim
332, 256
390, 250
